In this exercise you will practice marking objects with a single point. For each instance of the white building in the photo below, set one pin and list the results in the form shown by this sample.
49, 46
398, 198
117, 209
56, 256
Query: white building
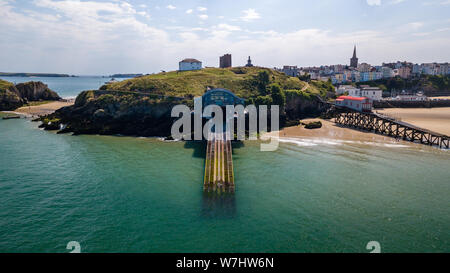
373, 93
190, 64
346, 89
289, 70
359, 104
417, 97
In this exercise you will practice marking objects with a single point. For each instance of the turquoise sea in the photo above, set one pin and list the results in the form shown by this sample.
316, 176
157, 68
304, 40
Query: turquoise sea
66, 87
122, 194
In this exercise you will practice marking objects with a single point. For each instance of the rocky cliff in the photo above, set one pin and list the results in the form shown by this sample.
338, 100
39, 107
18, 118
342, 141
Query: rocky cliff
14, 96
110, 113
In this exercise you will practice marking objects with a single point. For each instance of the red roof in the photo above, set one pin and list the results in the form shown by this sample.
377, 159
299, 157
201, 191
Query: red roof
352, 98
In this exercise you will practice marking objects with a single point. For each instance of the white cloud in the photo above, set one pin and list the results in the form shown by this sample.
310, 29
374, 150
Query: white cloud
374, 2
89, 37
202, 9
171, 7
250, 15
414, 25
228, 27
203, 16
189, 11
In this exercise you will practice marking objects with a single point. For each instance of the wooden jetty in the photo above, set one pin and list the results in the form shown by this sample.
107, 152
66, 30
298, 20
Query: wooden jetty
219, 174
385, 125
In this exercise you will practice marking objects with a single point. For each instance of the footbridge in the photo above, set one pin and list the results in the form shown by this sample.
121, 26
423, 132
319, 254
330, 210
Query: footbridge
389, 126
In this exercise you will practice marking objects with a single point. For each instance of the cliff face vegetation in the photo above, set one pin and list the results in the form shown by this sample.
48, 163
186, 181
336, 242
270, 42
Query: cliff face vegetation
14, 96
142, 106
109, 113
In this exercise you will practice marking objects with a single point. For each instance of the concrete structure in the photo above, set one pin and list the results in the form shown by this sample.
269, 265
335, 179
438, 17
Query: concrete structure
221, 97
373, 93
249, 62
292, 71
404, 72
346, 89
225, 61
190, 64
359, 104
219, 173
354, 59
364, 67
417, 97
387, 72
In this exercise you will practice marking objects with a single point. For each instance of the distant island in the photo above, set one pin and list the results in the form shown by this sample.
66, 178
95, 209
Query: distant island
126, 75
5, 74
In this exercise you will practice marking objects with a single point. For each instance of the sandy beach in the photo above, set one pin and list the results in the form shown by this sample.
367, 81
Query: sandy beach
331, 131
43, 109
433, 119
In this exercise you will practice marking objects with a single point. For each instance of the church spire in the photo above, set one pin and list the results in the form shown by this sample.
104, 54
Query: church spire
354, 59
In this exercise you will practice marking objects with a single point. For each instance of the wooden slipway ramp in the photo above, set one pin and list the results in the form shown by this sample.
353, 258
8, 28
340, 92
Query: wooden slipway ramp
219, 174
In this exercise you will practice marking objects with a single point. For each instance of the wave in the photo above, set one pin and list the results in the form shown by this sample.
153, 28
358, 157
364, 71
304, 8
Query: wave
305, 142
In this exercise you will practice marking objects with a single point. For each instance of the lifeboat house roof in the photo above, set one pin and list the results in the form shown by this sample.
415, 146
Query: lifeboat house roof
221, 97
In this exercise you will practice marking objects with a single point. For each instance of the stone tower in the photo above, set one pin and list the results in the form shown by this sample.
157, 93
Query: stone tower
354, 59
225, 61
249, 62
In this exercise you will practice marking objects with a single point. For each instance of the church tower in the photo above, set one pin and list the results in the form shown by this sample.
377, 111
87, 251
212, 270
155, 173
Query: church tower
354, 59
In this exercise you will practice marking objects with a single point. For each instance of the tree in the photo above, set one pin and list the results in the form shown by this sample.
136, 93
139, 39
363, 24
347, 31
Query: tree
278, 95
262, 82
305, 77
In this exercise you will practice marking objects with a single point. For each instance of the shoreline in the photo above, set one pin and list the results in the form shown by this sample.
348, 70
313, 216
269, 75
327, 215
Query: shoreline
42, 109
331, 131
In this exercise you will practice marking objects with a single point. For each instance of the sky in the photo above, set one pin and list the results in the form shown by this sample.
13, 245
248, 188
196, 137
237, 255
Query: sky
100, 37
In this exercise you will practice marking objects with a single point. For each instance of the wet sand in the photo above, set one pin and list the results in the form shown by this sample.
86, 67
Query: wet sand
331, 131
43, 109
433, 119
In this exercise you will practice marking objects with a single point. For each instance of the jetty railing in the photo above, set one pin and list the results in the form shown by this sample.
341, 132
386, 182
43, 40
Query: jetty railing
381, 124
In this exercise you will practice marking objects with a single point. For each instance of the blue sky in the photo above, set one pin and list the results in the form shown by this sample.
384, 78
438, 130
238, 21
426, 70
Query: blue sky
139, 36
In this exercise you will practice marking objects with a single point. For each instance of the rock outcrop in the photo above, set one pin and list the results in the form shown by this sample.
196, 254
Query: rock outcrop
35, 91
111, 113
15, 96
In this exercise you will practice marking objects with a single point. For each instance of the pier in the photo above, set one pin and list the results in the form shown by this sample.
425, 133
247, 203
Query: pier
388, 126
219, 174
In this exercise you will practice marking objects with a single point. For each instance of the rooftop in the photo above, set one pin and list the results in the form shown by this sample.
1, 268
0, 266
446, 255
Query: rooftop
341, 98
190, 60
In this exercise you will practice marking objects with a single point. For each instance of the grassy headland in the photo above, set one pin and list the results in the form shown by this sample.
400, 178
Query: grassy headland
142, 106
245, 82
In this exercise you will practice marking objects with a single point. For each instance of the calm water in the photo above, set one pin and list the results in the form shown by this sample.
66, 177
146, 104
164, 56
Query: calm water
117, 194
65, 87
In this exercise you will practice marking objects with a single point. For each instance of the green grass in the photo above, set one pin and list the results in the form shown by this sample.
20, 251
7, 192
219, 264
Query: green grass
240, 80
5, 85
